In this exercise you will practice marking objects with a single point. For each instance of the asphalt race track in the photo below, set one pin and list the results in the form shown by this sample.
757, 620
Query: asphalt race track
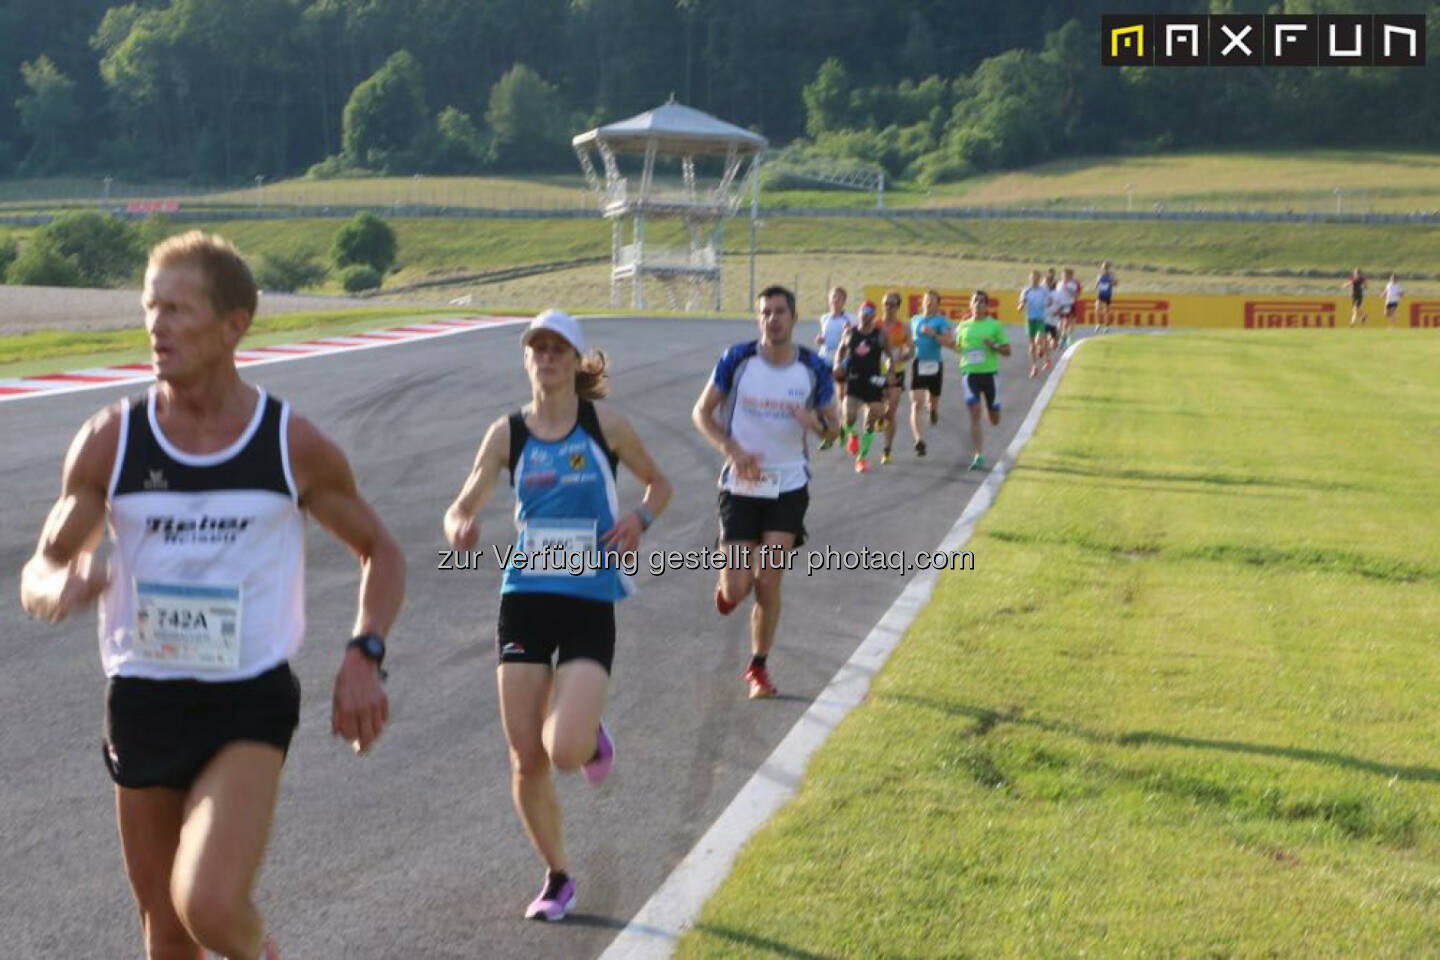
415, 851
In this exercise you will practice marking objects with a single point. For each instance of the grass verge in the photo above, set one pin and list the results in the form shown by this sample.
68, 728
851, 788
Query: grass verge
1183, 706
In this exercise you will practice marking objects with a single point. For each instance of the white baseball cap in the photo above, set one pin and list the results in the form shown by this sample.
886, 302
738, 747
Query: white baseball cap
559, 323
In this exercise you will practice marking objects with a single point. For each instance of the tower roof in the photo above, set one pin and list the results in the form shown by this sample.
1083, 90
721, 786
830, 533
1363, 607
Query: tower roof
676, 129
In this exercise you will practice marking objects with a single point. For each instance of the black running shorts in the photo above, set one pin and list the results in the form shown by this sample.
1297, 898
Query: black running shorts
931, 382
750, 518
163, 733
978, 386
864, 390
541, 627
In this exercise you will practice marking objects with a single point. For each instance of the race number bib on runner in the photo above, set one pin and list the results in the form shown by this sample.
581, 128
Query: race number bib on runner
562, 539
973, 357
767, 487
927, 368
187, 625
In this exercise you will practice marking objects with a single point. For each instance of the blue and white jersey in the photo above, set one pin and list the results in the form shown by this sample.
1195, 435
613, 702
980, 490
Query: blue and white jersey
832, 326
759, 404
564, 501
1105, 285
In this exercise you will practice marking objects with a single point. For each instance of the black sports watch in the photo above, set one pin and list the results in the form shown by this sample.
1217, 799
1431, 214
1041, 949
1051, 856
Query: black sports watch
371, 645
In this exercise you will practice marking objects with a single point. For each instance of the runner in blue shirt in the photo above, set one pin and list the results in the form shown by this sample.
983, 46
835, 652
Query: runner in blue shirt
562, 578
931, 330
1105, 285
1035, 303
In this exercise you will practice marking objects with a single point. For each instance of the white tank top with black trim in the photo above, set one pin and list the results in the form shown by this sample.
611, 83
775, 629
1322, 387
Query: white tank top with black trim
207, 574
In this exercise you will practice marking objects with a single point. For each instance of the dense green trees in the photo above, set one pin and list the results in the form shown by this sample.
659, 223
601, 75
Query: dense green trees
224, 90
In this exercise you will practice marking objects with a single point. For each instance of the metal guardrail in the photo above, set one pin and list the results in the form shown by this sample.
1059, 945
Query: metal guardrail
893, 213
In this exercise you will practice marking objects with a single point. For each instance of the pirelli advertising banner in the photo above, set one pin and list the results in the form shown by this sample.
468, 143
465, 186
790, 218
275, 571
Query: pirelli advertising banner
1146, 310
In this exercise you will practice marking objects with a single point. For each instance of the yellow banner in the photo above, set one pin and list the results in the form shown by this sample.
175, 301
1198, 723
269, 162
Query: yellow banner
1158, 310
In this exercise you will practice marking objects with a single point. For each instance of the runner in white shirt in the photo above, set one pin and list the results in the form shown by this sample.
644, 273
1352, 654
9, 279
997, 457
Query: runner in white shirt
1052, 316
1393, 293
1067, 293
763, 400
832, 327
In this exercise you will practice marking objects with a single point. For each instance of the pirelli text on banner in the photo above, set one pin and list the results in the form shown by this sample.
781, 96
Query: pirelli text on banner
1262, 40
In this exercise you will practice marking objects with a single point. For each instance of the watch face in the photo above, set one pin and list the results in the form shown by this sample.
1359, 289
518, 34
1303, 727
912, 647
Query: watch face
371, 645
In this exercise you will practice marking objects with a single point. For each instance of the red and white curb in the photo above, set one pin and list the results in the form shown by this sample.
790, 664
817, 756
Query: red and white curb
73, 381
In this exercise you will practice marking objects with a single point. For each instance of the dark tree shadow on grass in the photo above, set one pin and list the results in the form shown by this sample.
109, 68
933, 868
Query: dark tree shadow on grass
987, 720
741, 938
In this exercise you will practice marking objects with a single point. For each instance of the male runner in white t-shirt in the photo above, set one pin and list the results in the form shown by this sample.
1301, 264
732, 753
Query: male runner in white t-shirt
761, 403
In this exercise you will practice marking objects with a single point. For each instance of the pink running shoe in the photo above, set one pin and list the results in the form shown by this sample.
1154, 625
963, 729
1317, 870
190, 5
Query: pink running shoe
555, 900
597, 768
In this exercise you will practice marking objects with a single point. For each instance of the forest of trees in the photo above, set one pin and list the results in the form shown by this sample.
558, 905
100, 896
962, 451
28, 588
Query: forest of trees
220, 91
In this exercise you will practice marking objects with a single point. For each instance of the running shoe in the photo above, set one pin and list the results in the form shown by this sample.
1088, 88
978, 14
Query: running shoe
852, 446
978, 463
861, 466
919, 448
597, 768
760, 686
721, 605
556, 899
885, 458
1032, 371
1048, 364
934, 416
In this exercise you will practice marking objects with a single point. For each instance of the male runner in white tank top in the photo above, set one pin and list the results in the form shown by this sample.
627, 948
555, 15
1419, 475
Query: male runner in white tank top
204, 480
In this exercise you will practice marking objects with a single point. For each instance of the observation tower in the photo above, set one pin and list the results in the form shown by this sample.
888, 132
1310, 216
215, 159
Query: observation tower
676, 146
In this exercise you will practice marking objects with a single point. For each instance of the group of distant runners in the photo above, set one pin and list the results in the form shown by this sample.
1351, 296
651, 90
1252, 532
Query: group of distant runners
1356, 283
870, 355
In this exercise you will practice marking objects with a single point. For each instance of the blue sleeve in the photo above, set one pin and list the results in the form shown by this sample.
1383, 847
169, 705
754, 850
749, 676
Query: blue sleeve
824, 383
724, 376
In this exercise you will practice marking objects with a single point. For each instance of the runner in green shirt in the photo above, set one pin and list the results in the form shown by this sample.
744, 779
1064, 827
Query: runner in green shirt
980, 341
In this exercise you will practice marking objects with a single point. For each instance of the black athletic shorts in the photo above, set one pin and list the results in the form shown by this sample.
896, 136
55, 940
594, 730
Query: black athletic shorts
534, 626
1358, 299
163, 733
1052, 331
863, 390
750, 518
1103, 299
931, 382
978, 386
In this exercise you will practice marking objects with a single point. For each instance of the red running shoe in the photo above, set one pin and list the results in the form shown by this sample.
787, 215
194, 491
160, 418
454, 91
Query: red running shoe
760, 686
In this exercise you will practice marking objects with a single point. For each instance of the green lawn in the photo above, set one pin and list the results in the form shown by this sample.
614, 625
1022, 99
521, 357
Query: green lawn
430, 247
1185, 705
1301, 180
45, 351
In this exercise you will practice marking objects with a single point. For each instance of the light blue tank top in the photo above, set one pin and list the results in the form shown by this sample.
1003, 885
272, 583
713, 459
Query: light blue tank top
564, 501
